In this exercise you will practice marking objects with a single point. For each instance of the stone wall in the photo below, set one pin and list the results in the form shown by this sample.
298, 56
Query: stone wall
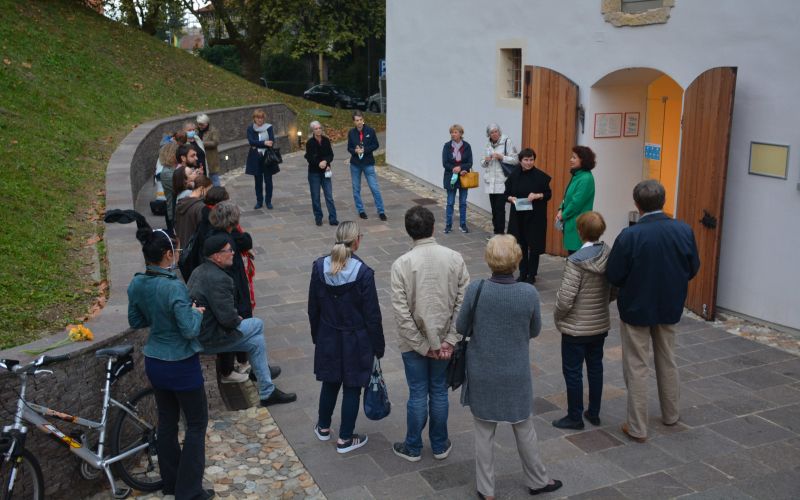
75, 386
612, 13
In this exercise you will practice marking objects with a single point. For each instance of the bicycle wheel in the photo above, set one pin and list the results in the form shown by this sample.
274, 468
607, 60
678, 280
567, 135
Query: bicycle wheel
140, 470
28, 480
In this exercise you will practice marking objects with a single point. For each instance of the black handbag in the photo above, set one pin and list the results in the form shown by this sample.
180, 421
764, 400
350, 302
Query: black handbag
376, 398
508, 168
457, 368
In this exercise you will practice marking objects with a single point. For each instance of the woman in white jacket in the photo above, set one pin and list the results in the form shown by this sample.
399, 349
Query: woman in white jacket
499, 149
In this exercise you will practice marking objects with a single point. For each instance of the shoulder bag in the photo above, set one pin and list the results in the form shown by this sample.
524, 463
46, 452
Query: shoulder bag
508, 168
376, 398
457, 368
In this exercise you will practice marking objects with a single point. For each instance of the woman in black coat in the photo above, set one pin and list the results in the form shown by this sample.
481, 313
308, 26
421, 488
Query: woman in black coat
347, 333
319, 155
528, 226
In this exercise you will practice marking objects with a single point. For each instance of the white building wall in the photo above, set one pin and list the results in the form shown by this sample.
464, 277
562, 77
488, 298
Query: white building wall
442, 60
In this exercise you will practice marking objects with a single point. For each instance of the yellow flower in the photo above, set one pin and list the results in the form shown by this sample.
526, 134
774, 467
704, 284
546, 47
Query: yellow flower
79, 333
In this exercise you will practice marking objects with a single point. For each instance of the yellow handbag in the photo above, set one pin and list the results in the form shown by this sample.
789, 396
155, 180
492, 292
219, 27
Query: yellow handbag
469, 180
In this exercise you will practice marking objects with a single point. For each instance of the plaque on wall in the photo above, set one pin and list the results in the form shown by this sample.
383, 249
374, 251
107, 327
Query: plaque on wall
607, 125
631, 124
770, 160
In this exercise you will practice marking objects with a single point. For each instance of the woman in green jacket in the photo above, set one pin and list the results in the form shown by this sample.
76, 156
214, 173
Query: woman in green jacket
579, 197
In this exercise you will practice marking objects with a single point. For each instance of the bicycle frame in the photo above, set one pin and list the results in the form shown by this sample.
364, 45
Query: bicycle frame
34, 414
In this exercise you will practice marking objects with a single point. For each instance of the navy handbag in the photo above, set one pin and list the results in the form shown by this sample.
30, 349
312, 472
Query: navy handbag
376, 398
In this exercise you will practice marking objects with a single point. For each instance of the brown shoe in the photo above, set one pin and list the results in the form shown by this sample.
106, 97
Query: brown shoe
627, 432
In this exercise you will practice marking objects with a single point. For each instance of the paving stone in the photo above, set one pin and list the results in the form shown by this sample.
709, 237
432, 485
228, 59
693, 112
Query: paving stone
743, 404
699, 476
400, 487
697, 416
592, 441
758, 378
450, 475
738, 465
585, 473
751, 430
721, 493
787, 417
653, 486
606, 493
775, 486
777, 456
716, 388
694, 444
638, 459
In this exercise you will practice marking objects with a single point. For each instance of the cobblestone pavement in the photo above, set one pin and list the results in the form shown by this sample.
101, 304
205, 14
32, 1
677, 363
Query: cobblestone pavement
740, 399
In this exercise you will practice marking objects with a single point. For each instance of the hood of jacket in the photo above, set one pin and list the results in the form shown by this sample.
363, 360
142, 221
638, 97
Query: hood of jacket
593, 259
188, 204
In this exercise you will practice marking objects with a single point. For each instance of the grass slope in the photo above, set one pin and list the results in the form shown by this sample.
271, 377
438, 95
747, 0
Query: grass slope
72, 85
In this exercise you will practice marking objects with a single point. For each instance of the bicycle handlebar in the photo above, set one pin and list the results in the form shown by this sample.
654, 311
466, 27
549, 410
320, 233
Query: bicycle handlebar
13, 365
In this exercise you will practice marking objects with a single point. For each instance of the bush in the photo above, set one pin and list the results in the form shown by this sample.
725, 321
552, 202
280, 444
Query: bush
224, 56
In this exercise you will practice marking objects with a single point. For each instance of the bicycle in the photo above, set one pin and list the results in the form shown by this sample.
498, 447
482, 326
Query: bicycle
133, 437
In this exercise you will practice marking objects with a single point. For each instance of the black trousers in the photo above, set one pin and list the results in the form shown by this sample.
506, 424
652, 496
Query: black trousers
529, 265
182, 469
350, 402
498, 202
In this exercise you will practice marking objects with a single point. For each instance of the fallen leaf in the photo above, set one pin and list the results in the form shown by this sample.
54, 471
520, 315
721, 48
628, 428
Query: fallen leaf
27, 65
6, 61
13, 141
93, 240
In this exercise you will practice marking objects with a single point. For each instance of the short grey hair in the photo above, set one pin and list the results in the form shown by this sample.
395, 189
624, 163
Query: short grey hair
189, 124
224, 215
649, 195
312, 124
202, 118
493, 126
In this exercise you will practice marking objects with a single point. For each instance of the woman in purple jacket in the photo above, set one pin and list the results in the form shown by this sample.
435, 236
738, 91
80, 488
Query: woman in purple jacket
347, 333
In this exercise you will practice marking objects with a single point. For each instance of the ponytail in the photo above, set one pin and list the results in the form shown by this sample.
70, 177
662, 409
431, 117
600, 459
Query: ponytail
346, 234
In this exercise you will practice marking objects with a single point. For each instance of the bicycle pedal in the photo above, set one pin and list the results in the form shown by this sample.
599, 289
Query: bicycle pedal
121, 492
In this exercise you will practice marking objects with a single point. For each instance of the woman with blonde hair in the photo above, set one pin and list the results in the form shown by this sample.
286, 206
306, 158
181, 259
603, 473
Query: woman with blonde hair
347, 333
260, 136
503, 315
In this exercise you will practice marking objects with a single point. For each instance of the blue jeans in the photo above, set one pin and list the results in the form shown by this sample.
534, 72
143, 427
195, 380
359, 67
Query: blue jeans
372, 182
573, 356
427, 394
263, 180
350, 402
462, 206
255, 345
315, 182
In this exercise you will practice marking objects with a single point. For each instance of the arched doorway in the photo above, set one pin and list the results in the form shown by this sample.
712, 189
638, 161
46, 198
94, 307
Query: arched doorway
653, 129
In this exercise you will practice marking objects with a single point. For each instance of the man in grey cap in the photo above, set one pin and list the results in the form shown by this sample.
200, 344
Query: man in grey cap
222, 329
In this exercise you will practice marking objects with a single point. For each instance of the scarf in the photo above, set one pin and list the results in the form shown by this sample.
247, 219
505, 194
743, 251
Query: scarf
263, 135
457, 147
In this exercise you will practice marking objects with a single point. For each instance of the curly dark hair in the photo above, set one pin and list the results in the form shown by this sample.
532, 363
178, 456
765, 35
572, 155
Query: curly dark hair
586, 156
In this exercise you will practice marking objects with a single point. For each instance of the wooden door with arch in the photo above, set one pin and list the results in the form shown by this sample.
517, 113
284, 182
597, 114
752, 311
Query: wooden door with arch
705, 138
549, 126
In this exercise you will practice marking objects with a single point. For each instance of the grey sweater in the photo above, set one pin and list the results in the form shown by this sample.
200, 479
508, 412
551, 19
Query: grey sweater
499, 386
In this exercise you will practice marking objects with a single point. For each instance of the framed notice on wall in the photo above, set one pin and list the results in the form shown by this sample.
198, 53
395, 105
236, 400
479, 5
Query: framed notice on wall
607, 125
770, 160
631, 124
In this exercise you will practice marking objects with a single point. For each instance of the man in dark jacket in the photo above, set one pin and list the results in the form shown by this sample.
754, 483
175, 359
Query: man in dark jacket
223, 329
362, 141
652, 263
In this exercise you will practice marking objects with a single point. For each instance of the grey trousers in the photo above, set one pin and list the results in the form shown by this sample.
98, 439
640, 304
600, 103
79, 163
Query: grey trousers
635, 352
527, 446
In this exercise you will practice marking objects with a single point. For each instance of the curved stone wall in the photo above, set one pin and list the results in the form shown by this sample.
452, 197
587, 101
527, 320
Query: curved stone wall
75, 386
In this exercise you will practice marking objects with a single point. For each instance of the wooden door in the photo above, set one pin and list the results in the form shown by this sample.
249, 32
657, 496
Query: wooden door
705, 136
549, 115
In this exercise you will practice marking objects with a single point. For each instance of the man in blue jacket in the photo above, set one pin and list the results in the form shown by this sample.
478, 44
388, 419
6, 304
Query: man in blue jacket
652, 263
361, 142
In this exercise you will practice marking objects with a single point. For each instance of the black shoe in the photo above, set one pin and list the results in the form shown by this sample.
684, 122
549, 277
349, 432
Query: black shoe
464, 229
592, 420
567, 423
382, 217
274, 372
363, 215
522, 279
269, 206
448, 230
318, 222
208, 494
532, 280
334, 223
401, 451
258, 205
547, 489
278, 397
355, 442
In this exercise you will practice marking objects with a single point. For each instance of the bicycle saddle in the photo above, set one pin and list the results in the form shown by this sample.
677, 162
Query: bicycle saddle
113, 352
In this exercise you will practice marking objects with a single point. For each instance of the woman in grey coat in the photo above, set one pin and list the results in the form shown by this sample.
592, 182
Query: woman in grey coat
498, 386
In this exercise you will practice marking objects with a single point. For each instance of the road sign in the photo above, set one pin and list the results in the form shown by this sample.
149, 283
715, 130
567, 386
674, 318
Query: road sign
382, 68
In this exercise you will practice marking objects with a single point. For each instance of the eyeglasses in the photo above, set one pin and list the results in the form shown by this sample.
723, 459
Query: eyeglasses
227, 250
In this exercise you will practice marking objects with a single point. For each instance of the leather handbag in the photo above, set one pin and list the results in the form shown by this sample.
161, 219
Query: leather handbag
457, 368
376, 398
508, 168
469, 180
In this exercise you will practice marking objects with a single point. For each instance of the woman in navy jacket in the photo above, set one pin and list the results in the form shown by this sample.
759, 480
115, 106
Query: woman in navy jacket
260, 137
347, 333
456, 159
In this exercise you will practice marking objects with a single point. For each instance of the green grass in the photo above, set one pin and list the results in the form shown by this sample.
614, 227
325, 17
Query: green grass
72, 85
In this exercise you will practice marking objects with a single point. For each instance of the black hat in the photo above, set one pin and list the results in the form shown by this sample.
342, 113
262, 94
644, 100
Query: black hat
215, 243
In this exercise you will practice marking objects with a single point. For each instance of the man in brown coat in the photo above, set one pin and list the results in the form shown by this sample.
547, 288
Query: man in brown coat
209, 136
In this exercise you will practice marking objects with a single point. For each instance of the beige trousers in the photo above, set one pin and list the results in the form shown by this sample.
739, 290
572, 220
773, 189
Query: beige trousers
527, 446
635, 352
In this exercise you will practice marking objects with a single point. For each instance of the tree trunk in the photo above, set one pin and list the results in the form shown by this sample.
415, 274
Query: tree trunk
323, 69
251, 63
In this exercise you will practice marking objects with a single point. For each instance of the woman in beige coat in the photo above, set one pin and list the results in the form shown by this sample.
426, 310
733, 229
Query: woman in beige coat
581, 315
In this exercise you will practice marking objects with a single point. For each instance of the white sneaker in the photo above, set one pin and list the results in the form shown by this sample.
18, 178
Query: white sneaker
244, 367
234, 378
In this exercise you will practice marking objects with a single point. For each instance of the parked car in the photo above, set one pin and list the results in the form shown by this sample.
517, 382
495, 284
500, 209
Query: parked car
374, 103
336, 96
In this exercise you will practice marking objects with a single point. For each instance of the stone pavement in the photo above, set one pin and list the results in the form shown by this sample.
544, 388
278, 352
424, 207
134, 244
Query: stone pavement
740, 400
